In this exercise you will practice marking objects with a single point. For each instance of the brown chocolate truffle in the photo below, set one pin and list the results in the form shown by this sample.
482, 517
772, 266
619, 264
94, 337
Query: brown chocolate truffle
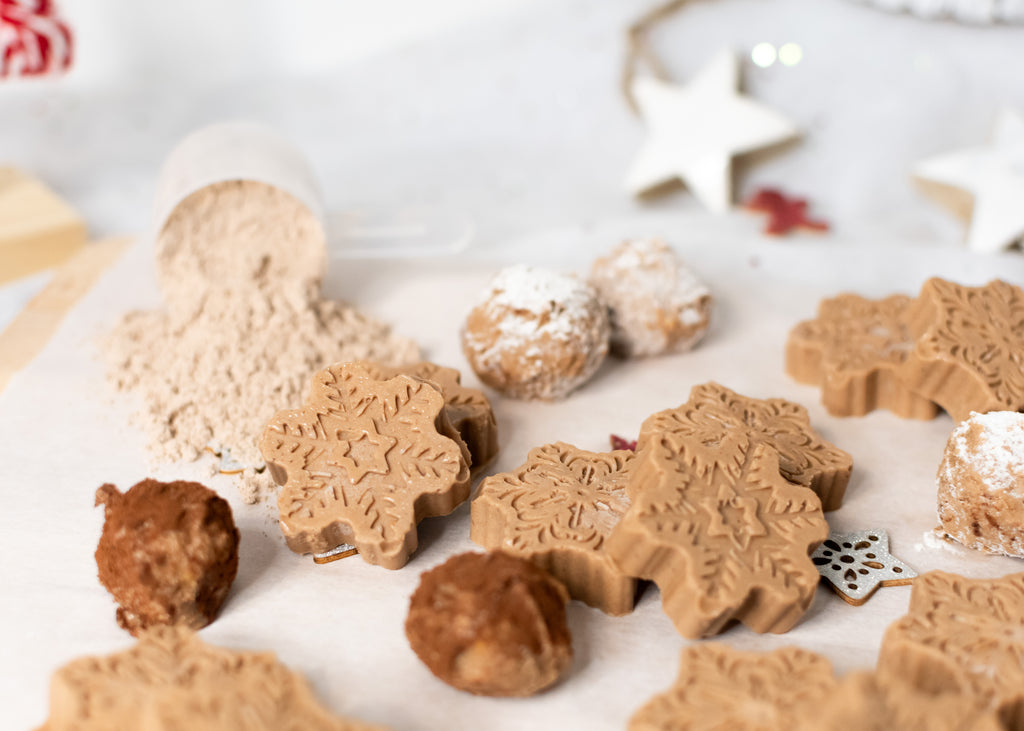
168, 553
491, 624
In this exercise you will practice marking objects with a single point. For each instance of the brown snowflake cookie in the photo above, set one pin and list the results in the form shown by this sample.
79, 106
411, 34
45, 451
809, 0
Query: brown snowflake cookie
363, 463
852, 349
722, 533
168, 553
536, 334
721, 688
969, 347
981, 483
469, 410
962, 636
172, 680
865, 702
491, 624
556, 510
716, 419
657, 305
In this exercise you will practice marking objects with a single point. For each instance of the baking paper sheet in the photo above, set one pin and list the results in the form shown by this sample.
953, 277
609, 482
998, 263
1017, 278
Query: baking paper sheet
63, 433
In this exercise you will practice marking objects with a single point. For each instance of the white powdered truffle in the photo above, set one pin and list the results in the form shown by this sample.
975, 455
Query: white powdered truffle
536, 334
657, 305
981, 483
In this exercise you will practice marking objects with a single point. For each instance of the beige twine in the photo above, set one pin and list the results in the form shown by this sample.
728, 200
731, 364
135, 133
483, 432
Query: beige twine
638, 49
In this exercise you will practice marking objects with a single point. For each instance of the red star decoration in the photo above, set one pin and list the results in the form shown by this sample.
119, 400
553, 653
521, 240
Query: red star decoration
621, 443
784, 213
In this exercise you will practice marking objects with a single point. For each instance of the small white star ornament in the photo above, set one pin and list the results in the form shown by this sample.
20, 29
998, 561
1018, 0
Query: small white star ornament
994, 176
695, 130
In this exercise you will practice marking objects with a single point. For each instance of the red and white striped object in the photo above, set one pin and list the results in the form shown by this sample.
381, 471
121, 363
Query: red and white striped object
34, 41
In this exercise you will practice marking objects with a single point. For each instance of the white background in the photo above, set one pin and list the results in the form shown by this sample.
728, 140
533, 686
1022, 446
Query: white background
506, 110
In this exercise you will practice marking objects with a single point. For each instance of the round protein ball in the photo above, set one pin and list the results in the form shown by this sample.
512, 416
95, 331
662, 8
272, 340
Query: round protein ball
491, 624
657, 305
536, 334
168, 553
981, 483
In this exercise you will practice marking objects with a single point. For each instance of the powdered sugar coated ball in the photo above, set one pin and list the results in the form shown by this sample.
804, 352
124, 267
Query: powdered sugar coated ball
536, 334
981, 483
657, 305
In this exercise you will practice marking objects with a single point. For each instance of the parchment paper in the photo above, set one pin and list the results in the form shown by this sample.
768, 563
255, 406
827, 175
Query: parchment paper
63, 433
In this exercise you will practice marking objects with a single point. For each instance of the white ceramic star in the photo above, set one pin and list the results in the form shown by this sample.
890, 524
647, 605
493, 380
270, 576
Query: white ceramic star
994, 176
695, 130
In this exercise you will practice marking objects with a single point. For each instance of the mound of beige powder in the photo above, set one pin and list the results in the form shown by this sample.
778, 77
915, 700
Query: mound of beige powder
240, 266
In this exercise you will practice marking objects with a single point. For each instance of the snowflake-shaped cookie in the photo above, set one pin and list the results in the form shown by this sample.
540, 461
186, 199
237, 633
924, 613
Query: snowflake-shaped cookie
173, 680
865, 701
961, 635
363, 462
557, 510
722, 688
469, 410
969, 347
716, 421
852, 350
726, 540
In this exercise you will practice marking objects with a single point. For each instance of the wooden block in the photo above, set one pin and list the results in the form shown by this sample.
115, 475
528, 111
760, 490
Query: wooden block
957, 200
32, 329
38, 230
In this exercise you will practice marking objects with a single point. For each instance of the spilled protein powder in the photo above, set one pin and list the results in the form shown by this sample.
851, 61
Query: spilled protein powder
240, 267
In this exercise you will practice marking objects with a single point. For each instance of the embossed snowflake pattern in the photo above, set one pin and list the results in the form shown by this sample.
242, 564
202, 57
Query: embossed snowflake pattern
715, 422
853, 333
362, 463
557, 509
974, 338
172, 679
961, 635
852, 350
725, 541
722, 688
469, 410
863, 700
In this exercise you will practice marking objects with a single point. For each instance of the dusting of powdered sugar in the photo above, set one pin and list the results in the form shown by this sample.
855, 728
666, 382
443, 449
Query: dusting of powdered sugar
993, 444
535, 333
657, 303
937, 539
653, 265
528, 303
537, 291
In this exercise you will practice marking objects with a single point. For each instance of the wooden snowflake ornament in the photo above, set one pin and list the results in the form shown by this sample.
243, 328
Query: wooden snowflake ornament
856, 564
694, 131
